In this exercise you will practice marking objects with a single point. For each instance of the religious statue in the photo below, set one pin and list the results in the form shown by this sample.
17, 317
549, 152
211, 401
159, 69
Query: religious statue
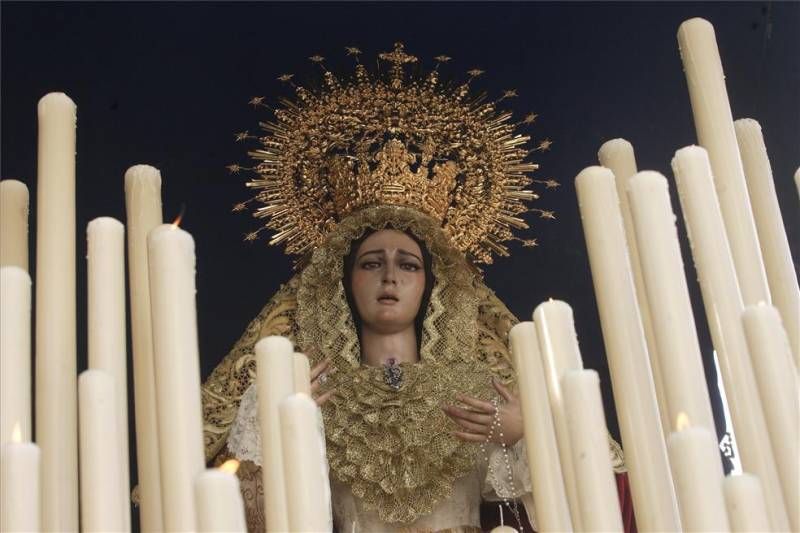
390, 189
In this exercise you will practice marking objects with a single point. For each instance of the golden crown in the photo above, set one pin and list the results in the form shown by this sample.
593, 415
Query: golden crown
392, 139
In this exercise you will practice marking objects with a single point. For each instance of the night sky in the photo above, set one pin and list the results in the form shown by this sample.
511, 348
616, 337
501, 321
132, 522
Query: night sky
167, 84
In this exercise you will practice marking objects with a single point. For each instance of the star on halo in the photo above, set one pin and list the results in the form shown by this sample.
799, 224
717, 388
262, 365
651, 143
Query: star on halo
530, 118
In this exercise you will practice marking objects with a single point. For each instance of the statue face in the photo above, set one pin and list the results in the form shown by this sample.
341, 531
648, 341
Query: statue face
388, 281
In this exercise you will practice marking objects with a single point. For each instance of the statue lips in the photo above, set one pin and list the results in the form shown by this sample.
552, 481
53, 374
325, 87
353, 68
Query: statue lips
388, 298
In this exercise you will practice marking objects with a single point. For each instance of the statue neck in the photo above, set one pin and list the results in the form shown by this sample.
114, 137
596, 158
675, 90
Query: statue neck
377, 348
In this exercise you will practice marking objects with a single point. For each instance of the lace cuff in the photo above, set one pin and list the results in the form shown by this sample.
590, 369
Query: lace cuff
507, 474
244, 440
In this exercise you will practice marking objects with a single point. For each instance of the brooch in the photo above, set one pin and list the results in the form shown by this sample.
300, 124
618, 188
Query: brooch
393, 374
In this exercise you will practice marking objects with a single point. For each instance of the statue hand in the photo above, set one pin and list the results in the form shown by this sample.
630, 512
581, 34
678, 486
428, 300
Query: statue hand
479, 420
319, 375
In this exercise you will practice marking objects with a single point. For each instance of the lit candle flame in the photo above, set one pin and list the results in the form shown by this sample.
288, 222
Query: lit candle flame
16, 433
230, 466
177, 221
682, 422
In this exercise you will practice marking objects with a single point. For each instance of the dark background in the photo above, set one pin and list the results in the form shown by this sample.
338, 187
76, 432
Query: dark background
167, 84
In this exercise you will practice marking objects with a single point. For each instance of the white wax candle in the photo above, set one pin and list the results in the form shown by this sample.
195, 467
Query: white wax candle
778, 389
102, 501
275, 379
645, 452
797, 180
715, 133
15, 347
14, 200
107, 341
302, 374
771, 233
697, 470
597, 488
744, 500
56, 363
171, 263
558, 344
20, 508
549, 493
143, 211
723, 306
660, 254
617, 156
220, 508
308, 493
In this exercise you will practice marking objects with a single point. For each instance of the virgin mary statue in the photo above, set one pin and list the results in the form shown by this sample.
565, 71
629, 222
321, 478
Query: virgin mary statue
390, 189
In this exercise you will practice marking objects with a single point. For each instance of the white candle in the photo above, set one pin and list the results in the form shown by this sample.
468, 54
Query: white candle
778, 388
20, 509
15, 347
617, 155
102, 503
558, 344
744, 500
171, 263
597, 488
107, 339
220, 508
302, 374
645, 452
771, 233
697, 471
715, 133
660, 253
797, 180
275, 379
549, 493
308, 493
14, 224
723, 305
56, 364
143, 211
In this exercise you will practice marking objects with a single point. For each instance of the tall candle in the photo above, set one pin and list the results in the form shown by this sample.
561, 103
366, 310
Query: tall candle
645, 452
107, 339
549, 493
597, 488
777, 379
56, 363
143, 211
275, 379
723, 305
102, 501
678, 347
778, 262
558, 344
14, 224
302, 374
220, 508
20, 490
308, 492
617, 155
15, 347
171, 261
744, 500
715, 133
697, 471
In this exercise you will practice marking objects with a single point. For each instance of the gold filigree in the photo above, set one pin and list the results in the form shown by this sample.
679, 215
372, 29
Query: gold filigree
393, 139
